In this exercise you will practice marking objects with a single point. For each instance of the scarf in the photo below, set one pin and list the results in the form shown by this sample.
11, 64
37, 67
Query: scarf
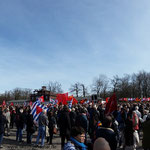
82, 145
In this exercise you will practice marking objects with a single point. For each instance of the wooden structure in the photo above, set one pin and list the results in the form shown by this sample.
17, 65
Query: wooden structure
42, 92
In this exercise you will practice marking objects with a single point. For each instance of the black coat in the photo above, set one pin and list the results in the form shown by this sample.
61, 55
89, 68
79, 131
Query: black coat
29, 122
64, 123
128, 132
52, 122
20, 120
82, 121
109, 135
2, 123
73, 116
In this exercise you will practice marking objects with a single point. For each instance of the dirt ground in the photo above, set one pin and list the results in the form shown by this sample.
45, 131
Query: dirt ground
9, 143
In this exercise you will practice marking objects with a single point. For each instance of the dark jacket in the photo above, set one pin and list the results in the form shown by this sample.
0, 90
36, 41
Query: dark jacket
146, 134
128, 132
20, 120
109, 135
64, 123
73, 116
82, 121
52, 122
2, 122
43, 120
29, 122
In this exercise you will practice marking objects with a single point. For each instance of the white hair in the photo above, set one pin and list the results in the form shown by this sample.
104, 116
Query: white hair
136, 107
101, 144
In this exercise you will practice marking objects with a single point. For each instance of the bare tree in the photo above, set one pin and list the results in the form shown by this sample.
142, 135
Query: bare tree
19, 93
124, 88
100, 85
54, 87
115, 82
75, 88
84, 90
26, 93
133, 85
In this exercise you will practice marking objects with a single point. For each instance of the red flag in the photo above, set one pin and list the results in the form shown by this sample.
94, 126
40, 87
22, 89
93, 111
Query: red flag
107, 99
38, 110
62, 98
12, 104
30, 103
41, 99
70, 98
82, 101
111, 105
4, 103
74, 101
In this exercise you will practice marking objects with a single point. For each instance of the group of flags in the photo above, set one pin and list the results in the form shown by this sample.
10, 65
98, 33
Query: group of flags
134, 99
38, 106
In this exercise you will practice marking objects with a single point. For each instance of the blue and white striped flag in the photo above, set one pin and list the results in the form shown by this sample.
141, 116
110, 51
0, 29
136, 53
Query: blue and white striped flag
70, 104
52, 101
34, 110
36, 116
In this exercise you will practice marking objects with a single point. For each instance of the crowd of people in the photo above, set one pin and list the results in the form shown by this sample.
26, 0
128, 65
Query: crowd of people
83, 127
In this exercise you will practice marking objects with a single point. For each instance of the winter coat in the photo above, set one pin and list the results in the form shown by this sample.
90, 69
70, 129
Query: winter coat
64, 123
146, 134
29, 123
2, 123
109, 135
128, 133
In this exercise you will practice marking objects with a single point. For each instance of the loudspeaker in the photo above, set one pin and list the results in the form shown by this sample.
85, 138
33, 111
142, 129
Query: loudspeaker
94, 97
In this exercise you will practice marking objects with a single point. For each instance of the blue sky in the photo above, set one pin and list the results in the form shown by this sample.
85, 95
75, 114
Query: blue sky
71, 41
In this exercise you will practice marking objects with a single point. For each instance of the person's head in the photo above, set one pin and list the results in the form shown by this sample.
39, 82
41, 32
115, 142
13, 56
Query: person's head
148, 117
29, 111
146, 112
65, 108
133, 113
107, 121
78, 133
101, 144
21, 110
136, 108
44, 111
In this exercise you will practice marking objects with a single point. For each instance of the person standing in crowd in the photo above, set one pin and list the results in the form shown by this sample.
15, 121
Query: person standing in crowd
20, 120
51, 125
7, 115
76, 141
135, 121
43, 122
128, 132
81, 120
146, 133
107, 133
2, 122
73, 116
12, 117
65, 125
145, 115
30, 126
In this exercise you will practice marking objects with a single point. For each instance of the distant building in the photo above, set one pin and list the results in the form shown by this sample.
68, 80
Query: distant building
18, 102
42, 92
